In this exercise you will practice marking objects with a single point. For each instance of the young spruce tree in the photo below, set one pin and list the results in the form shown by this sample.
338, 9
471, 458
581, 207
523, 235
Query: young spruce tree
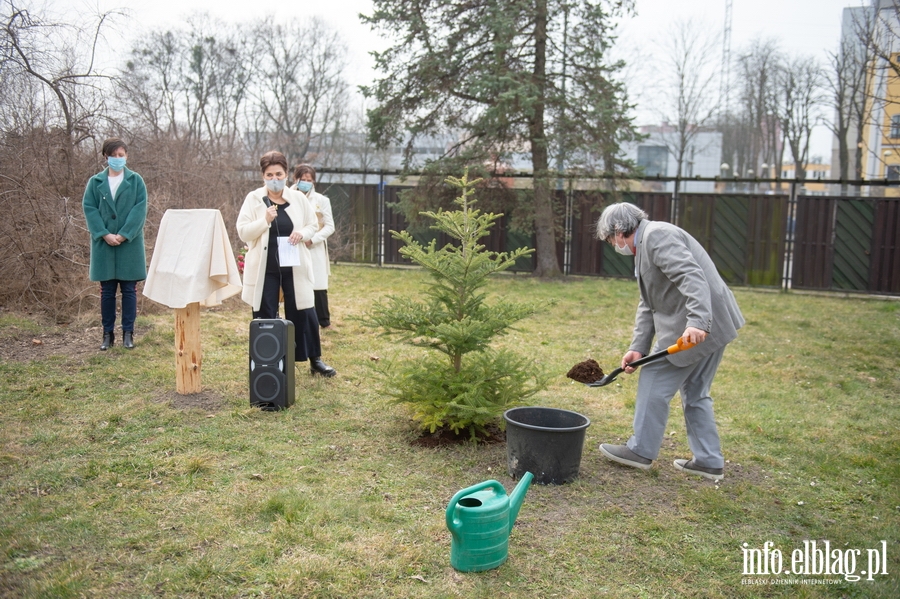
464, 384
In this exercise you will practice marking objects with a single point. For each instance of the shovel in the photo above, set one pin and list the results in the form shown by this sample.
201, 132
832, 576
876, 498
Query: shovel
672, 349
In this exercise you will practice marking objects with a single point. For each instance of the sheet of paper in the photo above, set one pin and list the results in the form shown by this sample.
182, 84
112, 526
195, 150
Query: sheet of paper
288, 255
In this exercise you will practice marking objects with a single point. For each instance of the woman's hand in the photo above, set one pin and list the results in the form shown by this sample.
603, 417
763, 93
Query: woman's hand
271, 213
295, 238
113, 239
308, 243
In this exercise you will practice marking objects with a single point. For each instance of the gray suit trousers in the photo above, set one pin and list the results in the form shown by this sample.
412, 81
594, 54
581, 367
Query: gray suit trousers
657, 384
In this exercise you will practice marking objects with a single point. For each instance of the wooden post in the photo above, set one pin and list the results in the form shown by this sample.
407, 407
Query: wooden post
187, 349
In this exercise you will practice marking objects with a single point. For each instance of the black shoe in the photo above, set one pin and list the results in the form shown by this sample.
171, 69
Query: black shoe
317, 366
128, 339
109, 339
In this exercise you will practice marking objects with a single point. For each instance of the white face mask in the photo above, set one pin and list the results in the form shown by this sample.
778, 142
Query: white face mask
625, 250
275, 185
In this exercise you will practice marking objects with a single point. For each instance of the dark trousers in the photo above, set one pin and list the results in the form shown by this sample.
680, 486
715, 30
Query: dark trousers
108, 304
306, 325
322, 312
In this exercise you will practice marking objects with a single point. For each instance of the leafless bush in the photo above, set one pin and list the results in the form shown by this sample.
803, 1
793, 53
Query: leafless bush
44, 253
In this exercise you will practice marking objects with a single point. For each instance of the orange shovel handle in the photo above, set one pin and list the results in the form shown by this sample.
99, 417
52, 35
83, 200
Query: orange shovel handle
681, 345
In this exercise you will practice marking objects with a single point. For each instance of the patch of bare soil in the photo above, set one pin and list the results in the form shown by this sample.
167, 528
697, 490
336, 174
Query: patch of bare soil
586, 372
623, 493
445, 436
17, 345
207, 401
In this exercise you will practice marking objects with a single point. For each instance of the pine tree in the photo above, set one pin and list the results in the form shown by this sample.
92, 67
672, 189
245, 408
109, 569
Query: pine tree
510, 77
463, 384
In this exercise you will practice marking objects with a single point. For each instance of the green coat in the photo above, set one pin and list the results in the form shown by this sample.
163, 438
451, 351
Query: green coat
124, 216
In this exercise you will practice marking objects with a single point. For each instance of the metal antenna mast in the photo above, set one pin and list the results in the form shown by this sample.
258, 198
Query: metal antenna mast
725, 83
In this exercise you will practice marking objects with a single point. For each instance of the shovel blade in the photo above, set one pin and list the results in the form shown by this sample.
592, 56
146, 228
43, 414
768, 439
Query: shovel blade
602, 382
606, 379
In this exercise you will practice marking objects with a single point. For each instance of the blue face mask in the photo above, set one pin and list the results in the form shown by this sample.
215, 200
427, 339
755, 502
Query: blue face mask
275, 185
304, 186
115, 163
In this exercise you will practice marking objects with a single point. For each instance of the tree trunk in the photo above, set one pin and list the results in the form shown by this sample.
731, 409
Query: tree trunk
843, 154
547, 265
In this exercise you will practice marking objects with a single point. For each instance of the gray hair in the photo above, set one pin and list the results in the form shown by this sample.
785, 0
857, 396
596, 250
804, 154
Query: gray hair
619, 218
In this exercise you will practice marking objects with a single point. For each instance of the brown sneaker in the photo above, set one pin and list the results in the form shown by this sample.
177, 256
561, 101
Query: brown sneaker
691, 467
622, 455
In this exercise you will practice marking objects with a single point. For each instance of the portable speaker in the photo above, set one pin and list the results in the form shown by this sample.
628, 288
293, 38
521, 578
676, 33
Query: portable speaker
271, 363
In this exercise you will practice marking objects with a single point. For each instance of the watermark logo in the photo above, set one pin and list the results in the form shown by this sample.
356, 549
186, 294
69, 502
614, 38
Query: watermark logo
814, 558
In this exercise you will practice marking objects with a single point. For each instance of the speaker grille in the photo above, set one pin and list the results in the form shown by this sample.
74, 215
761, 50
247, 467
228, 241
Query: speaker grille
267, 348
267, 386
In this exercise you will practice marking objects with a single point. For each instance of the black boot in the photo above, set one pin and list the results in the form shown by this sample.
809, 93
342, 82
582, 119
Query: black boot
317, 366
128, 339
109, 339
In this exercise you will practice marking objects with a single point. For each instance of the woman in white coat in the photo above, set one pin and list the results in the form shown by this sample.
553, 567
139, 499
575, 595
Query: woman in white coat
269, 213
305, 176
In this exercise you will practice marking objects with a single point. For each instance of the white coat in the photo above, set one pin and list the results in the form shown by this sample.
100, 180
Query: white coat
319, 248
253, 230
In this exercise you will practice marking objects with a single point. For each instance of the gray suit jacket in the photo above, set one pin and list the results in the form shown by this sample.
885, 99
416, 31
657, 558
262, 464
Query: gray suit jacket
680, 287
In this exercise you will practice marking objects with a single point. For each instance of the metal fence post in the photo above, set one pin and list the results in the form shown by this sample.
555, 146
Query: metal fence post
380, 225
568, 234
790, 235
673, 207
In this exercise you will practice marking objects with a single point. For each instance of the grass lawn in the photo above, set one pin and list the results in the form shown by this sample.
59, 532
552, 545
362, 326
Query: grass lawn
112, 485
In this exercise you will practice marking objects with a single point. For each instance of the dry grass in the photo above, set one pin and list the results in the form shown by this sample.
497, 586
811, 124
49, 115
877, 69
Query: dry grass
113, 485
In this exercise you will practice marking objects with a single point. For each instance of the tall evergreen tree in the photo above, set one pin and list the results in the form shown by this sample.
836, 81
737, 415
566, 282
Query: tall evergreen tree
510, 76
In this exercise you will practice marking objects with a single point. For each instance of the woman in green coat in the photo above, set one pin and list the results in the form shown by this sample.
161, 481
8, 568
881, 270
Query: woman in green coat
115, 208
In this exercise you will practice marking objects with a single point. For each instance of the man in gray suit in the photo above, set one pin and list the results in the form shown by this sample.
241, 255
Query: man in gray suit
682, 295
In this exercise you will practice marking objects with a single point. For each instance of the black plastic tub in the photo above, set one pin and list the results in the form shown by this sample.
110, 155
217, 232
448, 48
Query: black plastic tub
546, 442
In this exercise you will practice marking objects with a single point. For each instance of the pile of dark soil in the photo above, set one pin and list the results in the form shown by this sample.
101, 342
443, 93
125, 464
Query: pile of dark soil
586, 372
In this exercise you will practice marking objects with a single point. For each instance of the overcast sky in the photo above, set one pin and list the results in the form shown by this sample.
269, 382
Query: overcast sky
809, 27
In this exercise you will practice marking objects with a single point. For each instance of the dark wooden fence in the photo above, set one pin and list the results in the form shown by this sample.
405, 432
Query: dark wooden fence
762, 240
848, 244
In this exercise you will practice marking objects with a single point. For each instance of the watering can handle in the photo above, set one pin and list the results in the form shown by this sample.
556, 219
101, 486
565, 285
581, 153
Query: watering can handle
452, 506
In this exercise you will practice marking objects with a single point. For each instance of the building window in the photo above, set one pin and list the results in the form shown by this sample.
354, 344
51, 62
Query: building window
654, 160
895, 126
893, 172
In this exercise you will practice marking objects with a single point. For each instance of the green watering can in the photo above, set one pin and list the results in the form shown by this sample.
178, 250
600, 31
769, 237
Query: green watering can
480, 519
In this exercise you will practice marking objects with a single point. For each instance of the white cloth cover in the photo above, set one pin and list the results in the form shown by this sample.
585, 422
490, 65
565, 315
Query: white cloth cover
192, 260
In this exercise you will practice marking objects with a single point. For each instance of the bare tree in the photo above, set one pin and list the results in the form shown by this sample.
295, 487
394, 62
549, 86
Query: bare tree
218, 77
847, 79
49, 74
752, 135
878, 31
800, 86
689, 95
191, 84
882, 35
302, 94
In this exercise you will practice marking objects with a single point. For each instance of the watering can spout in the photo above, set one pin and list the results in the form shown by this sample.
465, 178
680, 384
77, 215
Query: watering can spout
517, 497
